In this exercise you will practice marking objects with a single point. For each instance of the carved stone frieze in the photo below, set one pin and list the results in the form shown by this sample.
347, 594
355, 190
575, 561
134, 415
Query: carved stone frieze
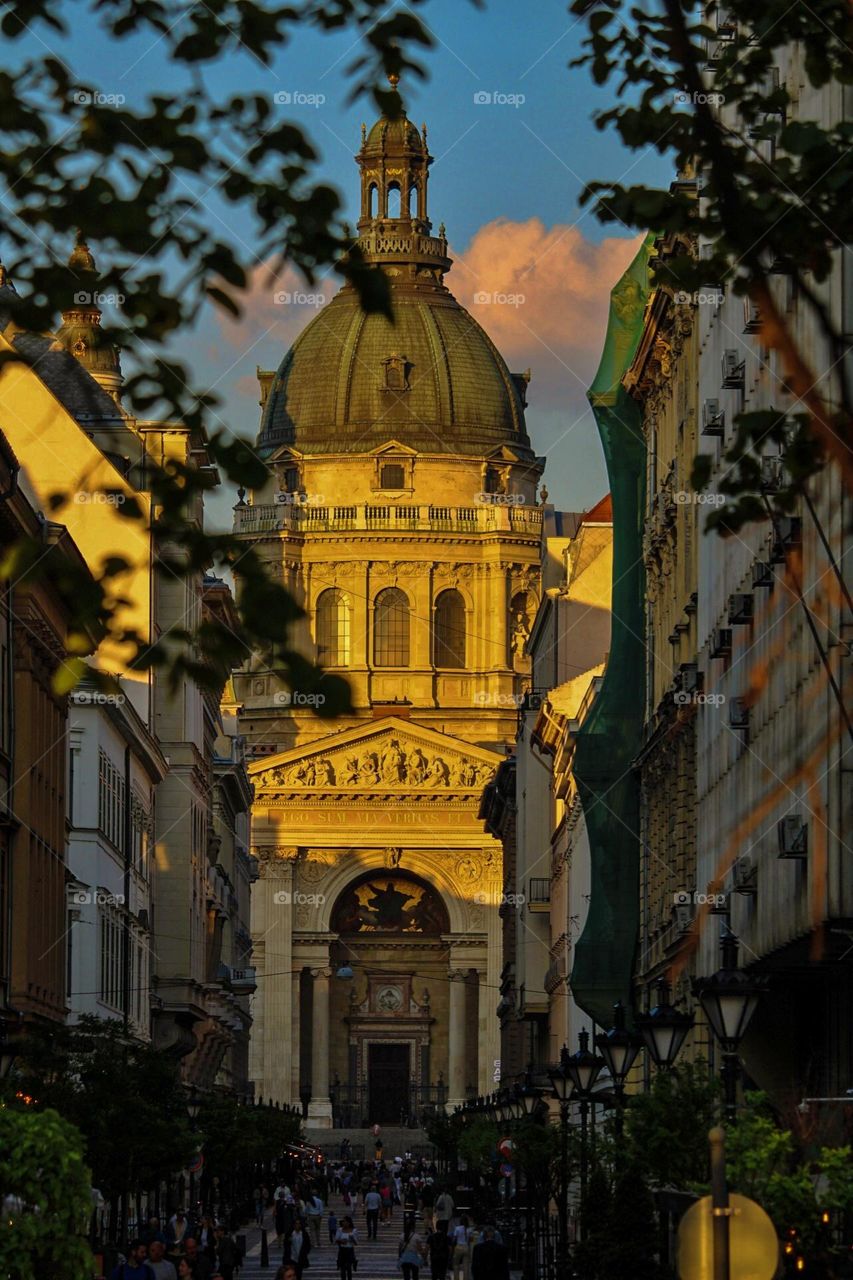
395, 762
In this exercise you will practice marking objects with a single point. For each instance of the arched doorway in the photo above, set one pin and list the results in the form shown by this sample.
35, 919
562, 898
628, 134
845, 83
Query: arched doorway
389, 1022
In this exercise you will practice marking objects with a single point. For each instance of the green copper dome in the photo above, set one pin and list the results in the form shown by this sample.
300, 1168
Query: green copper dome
433, 380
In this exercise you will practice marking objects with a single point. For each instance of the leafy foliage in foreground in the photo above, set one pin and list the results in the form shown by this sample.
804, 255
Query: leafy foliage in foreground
775, 196
44, 1195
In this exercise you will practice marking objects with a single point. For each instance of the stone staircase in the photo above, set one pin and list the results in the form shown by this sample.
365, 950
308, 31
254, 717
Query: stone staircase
395, 1142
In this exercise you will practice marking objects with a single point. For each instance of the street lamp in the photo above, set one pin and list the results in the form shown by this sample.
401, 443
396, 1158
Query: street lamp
729, 998
619, 1048
583, 1069
194, 1106
526, 1101
664, 1029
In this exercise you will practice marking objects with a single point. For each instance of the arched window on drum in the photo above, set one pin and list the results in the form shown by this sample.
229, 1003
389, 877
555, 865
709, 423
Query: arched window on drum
333, 628
391, 629
449, 630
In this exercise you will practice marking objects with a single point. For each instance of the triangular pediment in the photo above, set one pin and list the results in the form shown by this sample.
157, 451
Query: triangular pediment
286, 453
382, 755
395, 447
503, 454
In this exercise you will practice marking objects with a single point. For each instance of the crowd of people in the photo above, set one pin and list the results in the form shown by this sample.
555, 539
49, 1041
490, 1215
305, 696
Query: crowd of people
435, 1233
187, 1249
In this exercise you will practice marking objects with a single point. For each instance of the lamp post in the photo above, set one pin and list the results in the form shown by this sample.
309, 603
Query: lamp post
664, 1029
583, 1068
729, 998
619, 1048
526, 1100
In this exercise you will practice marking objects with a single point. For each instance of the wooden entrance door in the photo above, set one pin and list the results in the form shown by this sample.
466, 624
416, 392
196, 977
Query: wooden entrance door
388, 1075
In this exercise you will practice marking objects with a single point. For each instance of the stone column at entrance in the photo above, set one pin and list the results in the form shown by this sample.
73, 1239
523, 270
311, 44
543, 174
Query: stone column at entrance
320, 1106
456, 1029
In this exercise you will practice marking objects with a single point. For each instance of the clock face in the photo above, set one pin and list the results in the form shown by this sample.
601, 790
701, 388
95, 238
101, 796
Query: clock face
389, 999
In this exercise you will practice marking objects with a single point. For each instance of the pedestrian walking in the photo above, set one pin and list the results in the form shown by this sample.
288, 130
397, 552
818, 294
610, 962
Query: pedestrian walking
257, 1196
297, 1247
444, 1211
332, 1225
135, 1267
411, 1254
346, 1238
372, 1203
228, 1255
314, 1215
438, 1248
385, 1196
489, 1258
460, 1237
158, 1262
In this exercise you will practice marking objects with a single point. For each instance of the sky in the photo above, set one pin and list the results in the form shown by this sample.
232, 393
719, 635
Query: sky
510, 127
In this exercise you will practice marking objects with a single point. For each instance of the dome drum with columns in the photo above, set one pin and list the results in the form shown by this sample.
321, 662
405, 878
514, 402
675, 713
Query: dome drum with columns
401, 511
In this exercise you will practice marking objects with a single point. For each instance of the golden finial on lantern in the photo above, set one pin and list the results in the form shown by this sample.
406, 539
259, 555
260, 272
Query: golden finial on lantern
393, 79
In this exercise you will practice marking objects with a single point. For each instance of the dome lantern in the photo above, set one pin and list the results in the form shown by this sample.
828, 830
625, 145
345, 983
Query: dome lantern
394, 225
81, 333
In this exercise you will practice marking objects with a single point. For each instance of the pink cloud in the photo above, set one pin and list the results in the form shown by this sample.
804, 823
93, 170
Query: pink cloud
548, 292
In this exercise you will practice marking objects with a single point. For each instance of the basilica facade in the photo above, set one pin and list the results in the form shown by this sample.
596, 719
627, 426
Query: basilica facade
402, 513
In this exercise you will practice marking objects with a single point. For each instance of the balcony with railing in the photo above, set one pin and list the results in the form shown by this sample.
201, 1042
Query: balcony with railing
371, 517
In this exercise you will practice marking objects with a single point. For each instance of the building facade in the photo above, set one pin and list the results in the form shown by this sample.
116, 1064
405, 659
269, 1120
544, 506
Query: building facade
541, 822
153, 788
402, 515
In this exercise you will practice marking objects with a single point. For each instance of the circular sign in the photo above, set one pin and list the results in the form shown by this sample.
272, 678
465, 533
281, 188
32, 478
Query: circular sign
196, 1164
505, 1148
753, 1243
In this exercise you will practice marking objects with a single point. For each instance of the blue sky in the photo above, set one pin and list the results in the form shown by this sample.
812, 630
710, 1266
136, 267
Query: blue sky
506, 182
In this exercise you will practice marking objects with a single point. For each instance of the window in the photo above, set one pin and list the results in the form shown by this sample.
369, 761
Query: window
110, 800
111, 985
394, 202
371, 200
333, 628
391, 629
449, 630
392, 476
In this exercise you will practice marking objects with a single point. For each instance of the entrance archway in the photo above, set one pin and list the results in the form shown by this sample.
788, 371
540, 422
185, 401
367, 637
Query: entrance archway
389, 1025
